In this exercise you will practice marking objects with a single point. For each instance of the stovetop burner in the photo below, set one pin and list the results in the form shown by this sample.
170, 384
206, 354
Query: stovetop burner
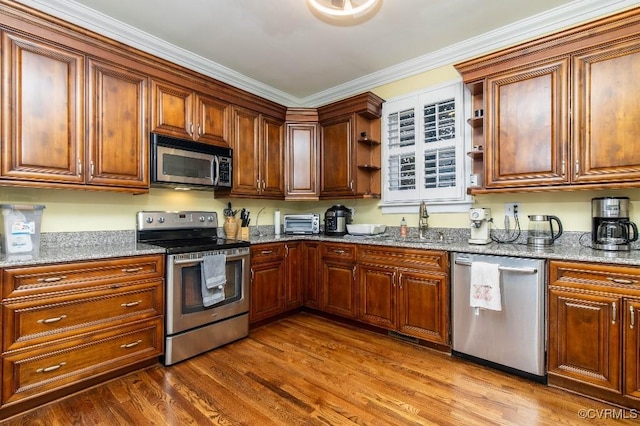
183, 231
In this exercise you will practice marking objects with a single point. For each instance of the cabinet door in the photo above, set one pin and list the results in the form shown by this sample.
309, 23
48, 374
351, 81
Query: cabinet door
301, 161
172, 110
43, 111
377, 297
607, 118
272, 158
118, 153
212, 117
527, 127
423, 300
267, 290
585, 338
295, 272
339, 291
336, 154
246, 151
631, 313
311, 274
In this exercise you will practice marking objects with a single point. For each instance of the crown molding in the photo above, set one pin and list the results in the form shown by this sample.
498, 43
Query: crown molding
562, 17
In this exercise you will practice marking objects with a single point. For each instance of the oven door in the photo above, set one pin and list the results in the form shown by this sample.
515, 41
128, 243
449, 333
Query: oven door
185, 308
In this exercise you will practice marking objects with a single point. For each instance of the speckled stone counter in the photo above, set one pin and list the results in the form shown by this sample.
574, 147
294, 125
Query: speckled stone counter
78, 246
571, 246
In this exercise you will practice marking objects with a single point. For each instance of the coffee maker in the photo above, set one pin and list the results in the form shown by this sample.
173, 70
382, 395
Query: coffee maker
611, 228
480, 226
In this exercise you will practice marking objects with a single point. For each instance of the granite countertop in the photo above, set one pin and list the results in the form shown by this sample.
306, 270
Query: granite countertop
79, 246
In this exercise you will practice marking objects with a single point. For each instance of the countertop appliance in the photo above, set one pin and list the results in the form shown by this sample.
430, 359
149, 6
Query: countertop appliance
541, 232
512, 339
177, 163
191, 325
304, 224
480, 226
611, 228
336, 219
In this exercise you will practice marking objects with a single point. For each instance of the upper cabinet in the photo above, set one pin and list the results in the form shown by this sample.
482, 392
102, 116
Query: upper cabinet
186, 114
301, 154
258, 155
46, 91
560, 112
350, 153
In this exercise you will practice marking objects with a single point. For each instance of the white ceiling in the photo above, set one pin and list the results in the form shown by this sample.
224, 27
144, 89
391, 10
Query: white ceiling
281, 50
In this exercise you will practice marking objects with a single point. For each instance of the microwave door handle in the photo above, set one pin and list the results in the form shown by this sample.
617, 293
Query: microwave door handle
215, 170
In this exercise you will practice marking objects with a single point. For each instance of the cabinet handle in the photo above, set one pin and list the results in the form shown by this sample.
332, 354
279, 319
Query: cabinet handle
52, 279
264, 185
199, 131
563, 168
131, 270
131, 345
191, 129
632, 312
79, 167
286, 249
622, 280
351, 185
615, 313
266, 252
51, 320
130, 304
577, 167
52, 368
258, 185
339, 251
354, 273
92, 168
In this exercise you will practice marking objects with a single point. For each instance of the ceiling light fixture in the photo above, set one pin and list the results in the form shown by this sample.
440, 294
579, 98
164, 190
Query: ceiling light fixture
341, 8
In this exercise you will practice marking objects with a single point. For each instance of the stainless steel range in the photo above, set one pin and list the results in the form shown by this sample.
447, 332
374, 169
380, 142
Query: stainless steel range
199, 318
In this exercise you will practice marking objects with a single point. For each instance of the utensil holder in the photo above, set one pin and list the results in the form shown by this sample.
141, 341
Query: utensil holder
243, 233
231, 227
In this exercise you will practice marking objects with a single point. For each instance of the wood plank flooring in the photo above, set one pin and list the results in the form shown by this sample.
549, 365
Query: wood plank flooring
307, 370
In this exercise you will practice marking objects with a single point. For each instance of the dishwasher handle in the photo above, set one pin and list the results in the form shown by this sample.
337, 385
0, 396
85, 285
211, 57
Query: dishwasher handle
503, 268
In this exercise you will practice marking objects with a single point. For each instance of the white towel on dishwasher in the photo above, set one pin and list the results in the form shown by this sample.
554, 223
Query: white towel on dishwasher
485, 286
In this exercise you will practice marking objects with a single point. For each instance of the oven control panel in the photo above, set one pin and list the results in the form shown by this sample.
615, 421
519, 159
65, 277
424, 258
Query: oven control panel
149, 220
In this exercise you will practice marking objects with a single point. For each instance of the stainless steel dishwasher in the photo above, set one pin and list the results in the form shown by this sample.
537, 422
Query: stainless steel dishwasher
512, 339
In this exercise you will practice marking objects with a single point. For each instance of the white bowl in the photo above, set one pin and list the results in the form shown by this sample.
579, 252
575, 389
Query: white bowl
366, 229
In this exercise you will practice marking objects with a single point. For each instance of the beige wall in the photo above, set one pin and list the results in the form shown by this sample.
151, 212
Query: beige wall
75, 210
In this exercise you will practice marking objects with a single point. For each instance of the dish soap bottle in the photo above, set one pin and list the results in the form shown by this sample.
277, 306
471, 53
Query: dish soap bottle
403, 228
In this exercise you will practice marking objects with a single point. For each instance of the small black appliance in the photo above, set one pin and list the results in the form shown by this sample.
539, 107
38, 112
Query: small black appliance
336, 219
611, 228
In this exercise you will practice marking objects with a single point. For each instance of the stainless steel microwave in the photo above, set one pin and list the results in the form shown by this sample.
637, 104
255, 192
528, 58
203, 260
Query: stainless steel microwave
178, 163
302, 223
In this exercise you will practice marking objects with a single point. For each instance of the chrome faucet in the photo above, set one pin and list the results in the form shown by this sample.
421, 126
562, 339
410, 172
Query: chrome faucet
423, 225
258, 233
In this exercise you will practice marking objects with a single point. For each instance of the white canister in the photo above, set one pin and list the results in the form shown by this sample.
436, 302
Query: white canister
276, 222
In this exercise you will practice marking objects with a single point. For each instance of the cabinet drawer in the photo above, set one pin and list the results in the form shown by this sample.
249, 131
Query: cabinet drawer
404, 258
267, 252
36, 280
339, 251
595, 277
36, 321
29, 373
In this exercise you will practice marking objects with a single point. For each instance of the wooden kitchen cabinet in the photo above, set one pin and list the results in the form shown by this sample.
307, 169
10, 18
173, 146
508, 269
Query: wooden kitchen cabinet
311, 254
112, 155
258, 161
560, 111
183, 113
302, 178
339, 289
593, 337
69, 326
349, 169
276, 279
405, 290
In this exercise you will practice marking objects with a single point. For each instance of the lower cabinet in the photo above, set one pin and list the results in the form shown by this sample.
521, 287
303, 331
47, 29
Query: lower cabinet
594, 342
276, 270
339, 290
405, 290
69, 326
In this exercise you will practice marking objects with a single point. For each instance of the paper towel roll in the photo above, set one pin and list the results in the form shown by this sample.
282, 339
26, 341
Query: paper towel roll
276, 222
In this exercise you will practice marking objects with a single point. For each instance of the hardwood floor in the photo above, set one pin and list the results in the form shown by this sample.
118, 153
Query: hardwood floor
307, 370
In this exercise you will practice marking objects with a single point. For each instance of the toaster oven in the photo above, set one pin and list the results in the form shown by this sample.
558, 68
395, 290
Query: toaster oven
302, 223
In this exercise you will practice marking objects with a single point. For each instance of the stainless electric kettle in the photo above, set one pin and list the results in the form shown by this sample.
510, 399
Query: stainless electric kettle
541, 232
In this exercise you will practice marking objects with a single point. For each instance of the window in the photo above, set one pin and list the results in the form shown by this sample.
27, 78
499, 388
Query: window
424, 149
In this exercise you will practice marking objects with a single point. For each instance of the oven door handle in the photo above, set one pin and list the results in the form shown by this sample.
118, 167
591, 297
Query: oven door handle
229, 258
